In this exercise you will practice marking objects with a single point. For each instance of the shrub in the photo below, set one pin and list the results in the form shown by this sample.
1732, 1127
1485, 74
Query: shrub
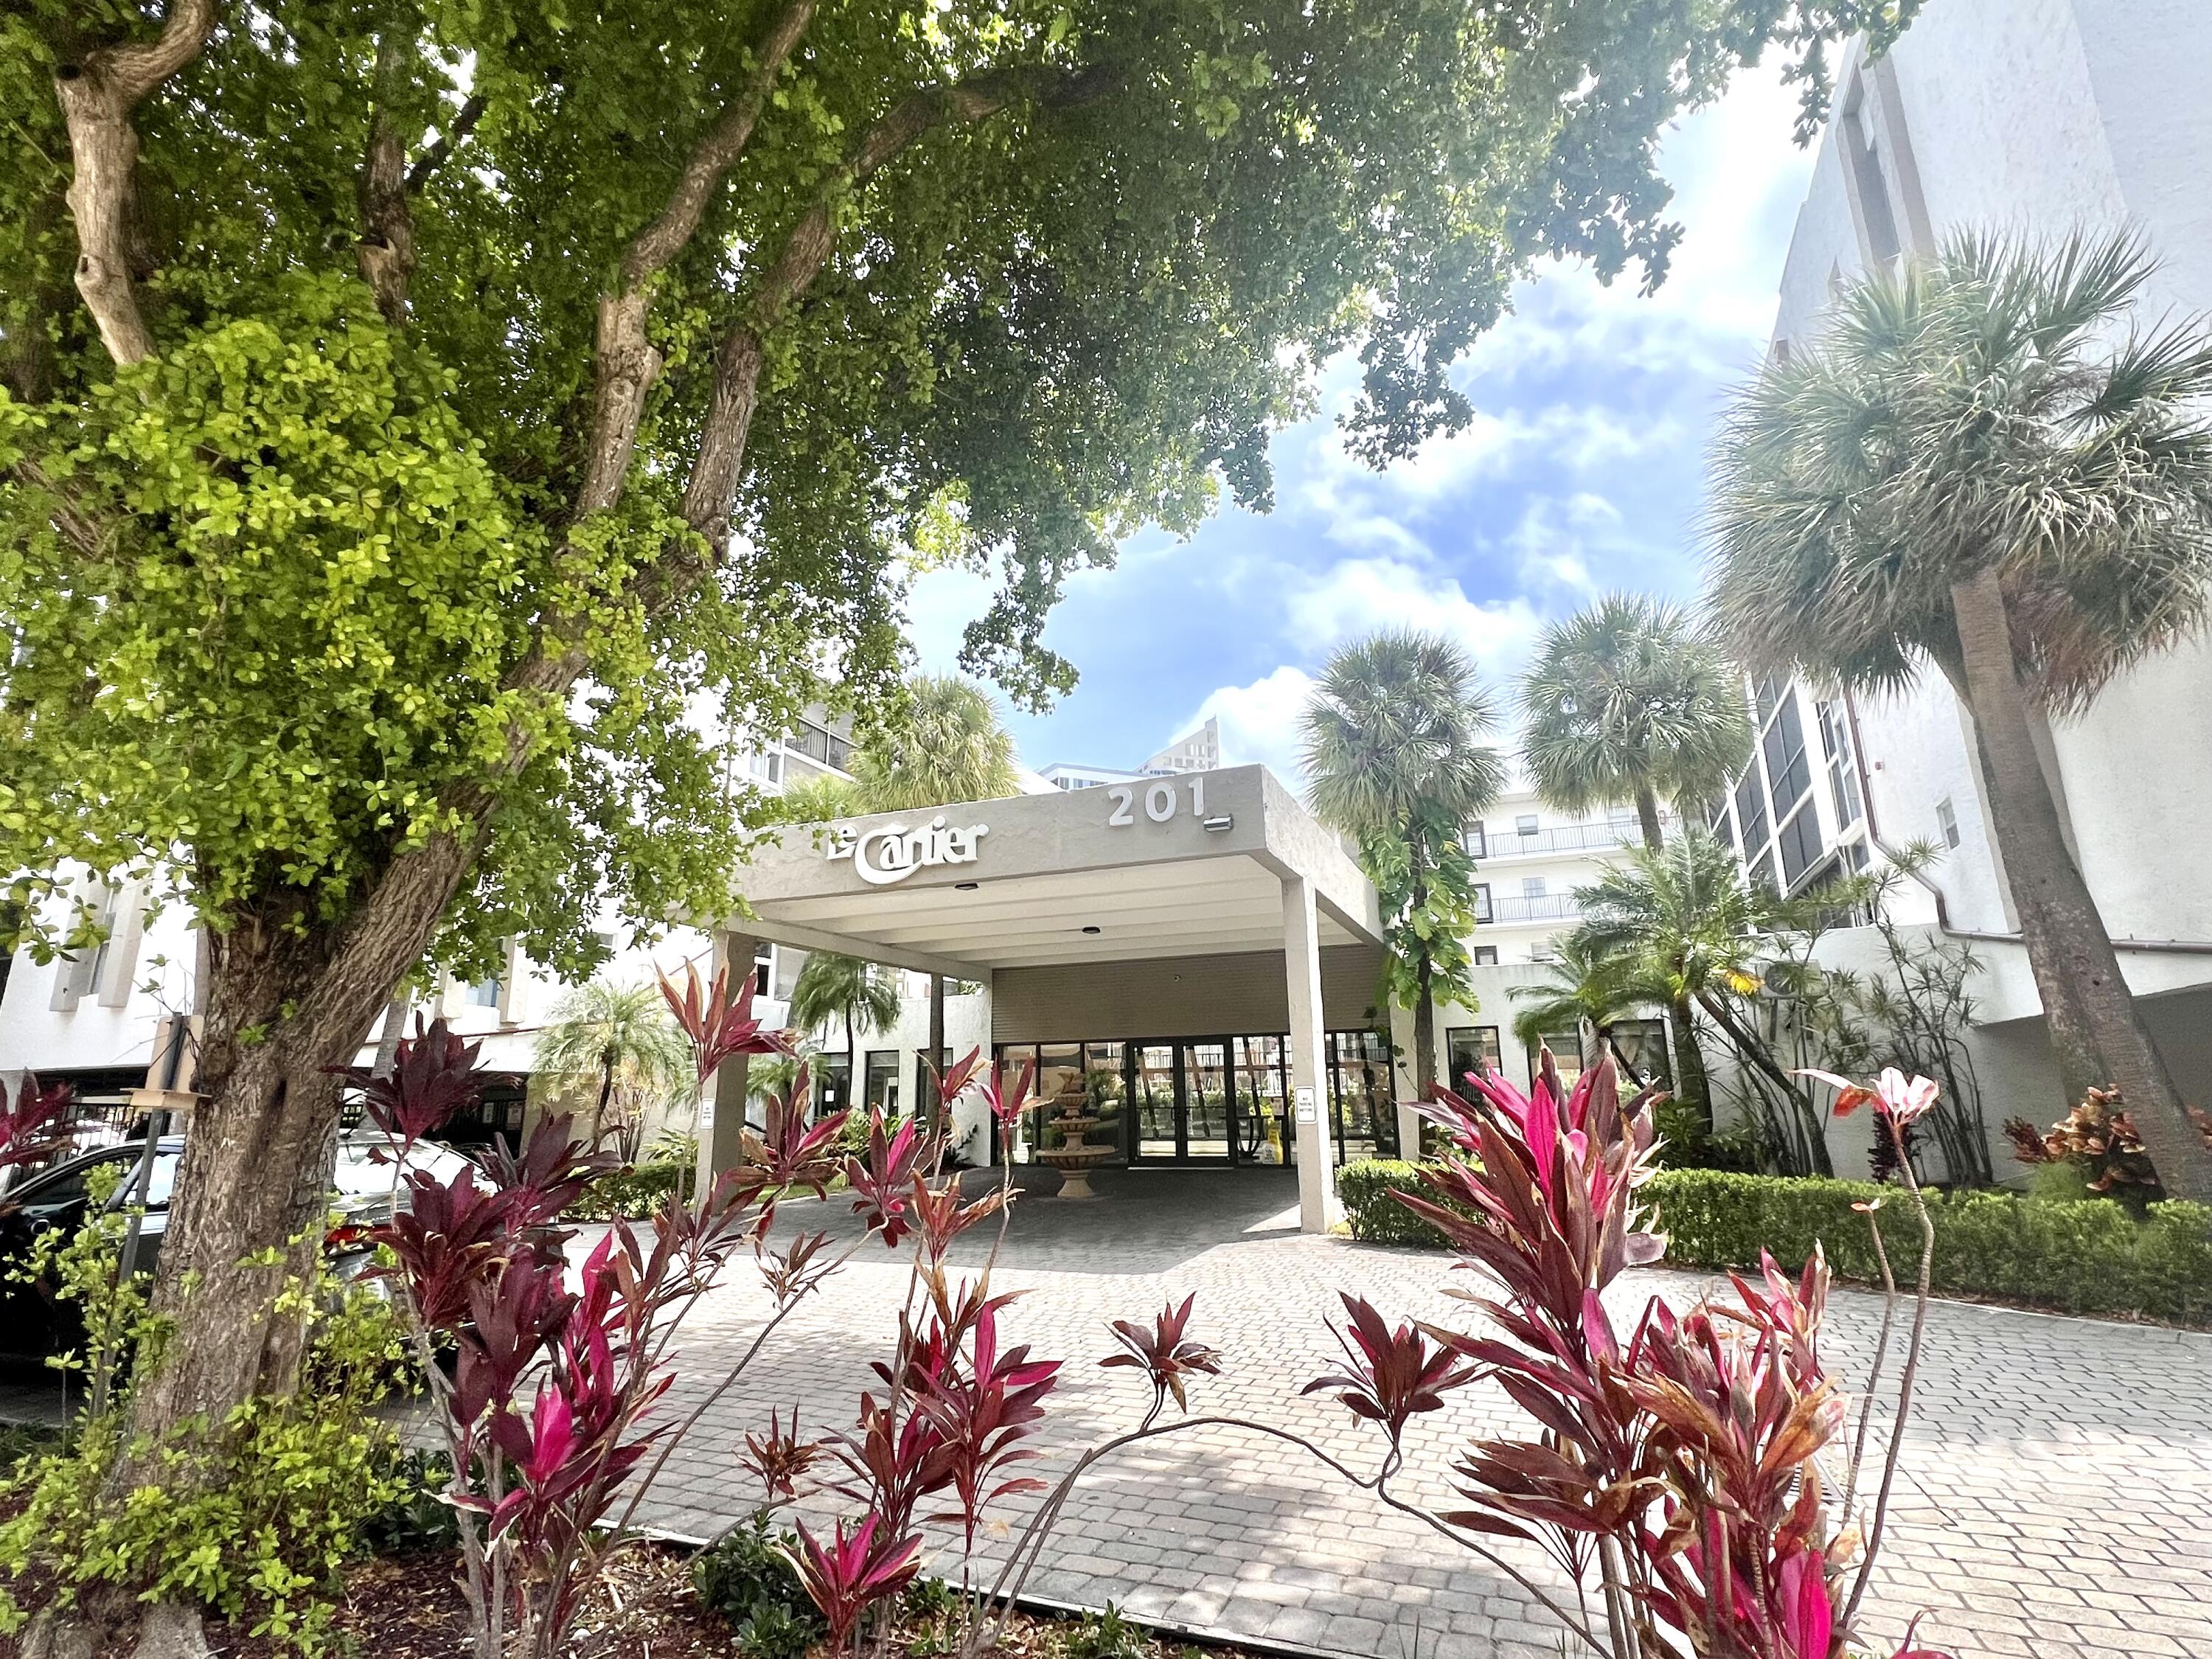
631, 1194
1365, 1186
746, 1577
302, 1474
2088, 1257
2085, 1256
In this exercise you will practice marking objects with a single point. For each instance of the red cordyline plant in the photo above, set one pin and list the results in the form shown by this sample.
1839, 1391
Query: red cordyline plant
548, 1415
37, 1125
1677, 1463
434, 1077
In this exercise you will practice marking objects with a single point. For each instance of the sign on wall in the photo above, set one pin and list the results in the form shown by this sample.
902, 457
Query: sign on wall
894, 852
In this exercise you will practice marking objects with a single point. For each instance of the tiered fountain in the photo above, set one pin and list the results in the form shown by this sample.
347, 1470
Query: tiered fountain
1072, 1157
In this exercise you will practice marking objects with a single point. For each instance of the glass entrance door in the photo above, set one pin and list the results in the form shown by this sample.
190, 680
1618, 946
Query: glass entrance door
1154, 1089
1207, 1109
1185, 1104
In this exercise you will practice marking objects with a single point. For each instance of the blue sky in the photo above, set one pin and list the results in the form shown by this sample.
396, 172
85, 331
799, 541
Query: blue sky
1579, 474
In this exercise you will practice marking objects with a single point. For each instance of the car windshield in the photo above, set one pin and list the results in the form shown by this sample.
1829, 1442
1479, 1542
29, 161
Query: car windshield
364, 1167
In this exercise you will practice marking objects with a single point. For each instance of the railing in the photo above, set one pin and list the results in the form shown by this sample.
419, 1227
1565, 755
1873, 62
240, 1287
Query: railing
1550, 906
820, 743
1568, 838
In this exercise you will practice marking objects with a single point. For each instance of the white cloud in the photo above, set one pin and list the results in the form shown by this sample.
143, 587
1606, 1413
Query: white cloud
1260, 721
1357, 596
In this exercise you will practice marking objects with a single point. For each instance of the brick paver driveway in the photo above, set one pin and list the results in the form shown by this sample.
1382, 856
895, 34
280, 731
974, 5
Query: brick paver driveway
2056, 1501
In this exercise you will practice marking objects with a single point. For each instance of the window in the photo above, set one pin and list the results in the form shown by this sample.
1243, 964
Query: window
1799, 844
1788, 774
1640, 1047
1525, 824
1478, 845
1532, 887
764, 969
484, 994
1566, 1048
1751, 814
1543, 950
1482, 901
1947, 820
833, 1091
1842, 765
881, 1081
1869, 186
1766, 695
1486, 955
1466, 1045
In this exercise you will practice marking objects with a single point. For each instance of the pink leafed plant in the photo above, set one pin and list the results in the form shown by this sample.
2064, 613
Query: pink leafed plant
718, 1020
1166, 1355
434, 1077
853, 1572
37, 1125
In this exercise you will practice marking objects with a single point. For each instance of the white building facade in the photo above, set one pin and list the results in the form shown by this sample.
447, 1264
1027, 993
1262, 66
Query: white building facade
2041, 117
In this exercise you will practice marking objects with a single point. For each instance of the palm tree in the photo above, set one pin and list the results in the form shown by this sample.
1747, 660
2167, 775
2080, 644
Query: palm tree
1684, 925
1394, 758
1631, 700
831, 987
1585, 989
1984, 466
946, 743
618, 1042
816, 798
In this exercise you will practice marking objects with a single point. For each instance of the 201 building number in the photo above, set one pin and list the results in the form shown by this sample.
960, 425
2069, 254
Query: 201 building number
1161, 801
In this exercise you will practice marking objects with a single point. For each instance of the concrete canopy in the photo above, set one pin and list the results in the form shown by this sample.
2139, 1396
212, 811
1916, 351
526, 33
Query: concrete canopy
1181, 866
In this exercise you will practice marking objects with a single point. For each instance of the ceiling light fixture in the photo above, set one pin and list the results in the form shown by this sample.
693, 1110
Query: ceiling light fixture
1223, 821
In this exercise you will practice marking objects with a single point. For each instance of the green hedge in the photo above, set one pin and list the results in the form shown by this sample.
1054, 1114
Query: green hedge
632, 1193
1364, 1187
2089, 1256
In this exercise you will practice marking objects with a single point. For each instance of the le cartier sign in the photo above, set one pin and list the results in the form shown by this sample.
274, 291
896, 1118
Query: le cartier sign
893, 853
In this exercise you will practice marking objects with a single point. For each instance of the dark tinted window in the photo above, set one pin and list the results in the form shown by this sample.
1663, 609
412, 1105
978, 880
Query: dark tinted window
1789, 773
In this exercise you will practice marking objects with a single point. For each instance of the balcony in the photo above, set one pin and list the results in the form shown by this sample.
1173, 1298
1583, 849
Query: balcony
1568, 838
1509, 911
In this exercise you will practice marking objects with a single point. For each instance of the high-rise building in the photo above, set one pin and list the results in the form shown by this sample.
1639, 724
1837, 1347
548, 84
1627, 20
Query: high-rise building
2044, 117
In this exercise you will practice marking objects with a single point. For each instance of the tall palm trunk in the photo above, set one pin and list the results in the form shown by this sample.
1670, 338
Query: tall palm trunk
1425, 1002
2089, 1014
1692, 1086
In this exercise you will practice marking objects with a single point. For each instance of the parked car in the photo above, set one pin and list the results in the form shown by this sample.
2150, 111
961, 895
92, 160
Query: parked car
34, 1324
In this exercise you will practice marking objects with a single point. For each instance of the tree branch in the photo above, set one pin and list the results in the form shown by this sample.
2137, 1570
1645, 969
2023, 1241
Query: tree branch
720, 461
464, 122
385, 251
97, 98
627, 365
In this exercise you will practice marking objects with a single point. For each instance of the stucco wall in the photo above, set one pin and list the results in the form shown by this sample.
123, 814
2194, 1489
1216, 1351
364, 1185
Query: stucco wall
1175, 996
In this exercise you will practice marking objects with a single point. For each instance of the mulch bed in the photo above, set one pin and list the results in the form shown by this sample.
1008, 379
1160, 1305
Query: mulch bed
409, 1607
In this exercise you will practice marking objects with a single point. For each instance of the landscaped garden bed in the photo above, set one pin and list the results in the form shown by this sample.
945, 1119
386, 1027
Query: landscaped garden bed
410, 1607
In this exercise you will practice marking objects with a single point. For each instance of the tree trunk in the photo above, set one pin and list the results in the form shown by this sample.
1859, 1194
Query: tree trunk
395, 1027
1754, 1052
1692, 1086
1425, 1001
1647, 817
2096, 1034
